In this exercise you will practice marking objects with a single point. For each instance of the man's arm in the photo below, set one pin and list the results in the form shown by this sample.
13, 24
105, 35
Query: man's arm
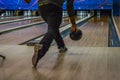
71, 14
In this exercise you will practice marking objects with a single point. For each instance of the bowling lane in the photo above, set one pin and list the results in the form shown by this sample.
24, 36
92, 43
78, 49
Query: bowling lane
22, 35
16, 24
2, 19
95, 34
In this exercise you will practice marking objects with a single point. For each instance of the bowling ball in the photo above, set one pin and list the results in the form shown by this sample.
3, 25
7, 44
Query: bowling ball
27, 1
76, 35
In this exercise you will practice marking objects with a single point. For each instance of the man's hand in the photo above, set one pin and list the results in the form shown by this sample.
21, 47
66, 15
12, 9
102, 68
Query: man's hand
73, 23
74, 28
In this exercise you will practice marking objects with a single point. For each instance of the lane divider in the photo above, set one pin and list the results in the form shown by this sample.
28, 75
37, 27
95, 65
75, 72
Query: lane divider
116, 27
113, 38
11, 21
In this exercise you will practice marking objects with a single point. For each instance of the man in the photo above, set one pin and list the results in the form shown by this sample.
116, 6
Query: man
51, 12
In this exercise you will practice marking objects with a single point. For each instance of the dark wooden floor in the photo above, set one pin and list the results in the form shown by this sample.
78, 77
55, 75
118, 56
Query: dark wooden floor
79, 63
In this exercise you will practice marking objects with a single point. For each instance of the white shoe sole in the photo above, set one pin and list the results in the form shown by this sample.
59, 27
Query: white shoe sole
35, 55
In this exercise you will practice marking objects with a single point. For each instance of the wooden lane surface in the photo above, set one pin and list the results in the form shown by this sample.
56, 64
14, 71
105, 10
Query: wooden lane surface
11, 18
20, 23
78, 63
22, 35
95, 34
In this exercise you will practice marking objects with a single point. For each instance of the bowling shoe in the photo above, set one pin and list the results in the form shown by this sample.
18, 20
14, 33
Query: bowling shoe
62, 49
35, 57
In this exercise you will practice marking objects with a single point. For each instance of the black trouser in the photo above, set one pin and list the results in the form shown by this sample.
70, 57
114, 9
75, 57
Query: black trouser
52, 15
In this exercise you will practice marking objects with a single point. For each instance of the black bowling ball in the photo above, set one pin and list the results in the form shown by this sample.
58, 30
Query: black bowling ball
76, 35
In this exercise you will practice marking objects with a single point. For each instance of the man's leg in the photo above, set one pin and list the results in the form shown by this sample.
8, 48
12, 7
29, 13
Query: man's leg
52, 15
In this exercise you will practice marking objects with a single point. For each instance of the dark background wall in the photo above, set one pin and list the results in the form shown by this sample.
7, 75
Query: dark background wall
116, 7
